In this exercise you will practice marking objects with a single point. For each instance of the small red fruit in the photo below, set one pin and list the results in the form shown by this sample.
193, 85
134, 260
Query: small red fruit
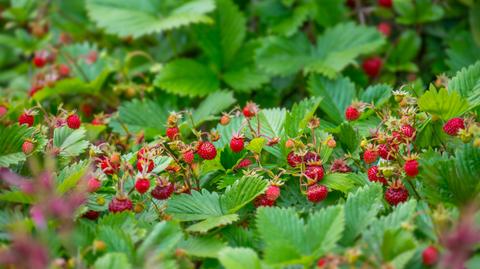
375, 176
411, 168
384, 28
108, 167
144, 163
293, 159
250, 110
93, 184
3, 111
26, 118
370, 156
317, 193
27, 147
430, 256
321, 263
453, 126
172, 132
63, 70
311, 157
396, 194
385, 3
225, 119
262, 200
237, 143
40, 59
314, 172
91, 215
351, 113
163, 192
188, 156
243, 163
272, 193
142, 185
120, 204
385, 152
408, 131
207, 151
372, 66
73, 121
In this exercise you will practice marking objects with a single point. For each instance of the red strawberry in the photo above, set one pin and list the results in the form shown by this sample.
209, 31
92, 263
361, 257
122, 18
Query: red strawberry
172, 132
120, 204
108, 167
27, 147
163, 192
73, 121
372, 66
430, 256
34, 89
384, 28
385, 3
63, 70
395, 194
321, 263
317, 193
188, 156
86, 109
144, 163
93, 184
311, 157
408, 131
314, 172
142, 185
3, 111
91, 215
236, 144
340, 166
272, 193
207, 151
250, 110
453, 126
370, 156
375, 176
243, 163
385, 152
293, 159
262, 200
351, 113
26, 118
141, 153
411, 168
40, 59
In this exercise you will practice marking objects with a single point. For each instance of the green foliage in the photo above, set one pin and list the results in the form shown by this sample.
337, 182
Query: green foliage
70, 142
467, 83
442, 103
238, 258
297, 119
11, 140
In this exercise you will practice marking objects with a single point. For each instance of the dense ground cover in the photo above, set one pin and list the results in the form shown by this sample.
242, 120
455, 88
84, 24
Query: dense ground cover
240, 134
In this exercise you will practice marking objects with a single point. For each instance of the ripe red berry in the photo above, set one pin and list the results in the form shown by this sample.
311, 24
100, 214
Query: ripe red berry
370, 156
142, 185
207, 151
317, 193
120, 204
243, 163
250, 110
352, 113
163, 192
188, 156
396, 194
262, 200
172, 132
311, 157
454, 125
26, 118
93, 184
385, 3
144, 163
27, 147
314, 172
293, 159
237, 143
63, 70
385, 152
430, 256
411, 168
108, 167
384, 28
272, 193
3, 111
408, 131
73, 121
40, 59
372, 66
375, 176
91, 215
321, 263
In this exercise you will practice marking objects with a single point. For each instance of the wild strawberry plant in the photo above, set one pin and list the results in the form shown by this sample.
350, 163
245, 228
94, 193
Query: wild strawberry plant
240, 134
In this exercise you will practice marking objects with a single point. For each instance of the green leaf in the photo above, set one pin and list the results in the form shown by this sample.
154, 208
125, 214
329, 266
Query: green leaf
212, 105
336, 95
324, 229
69, 177
112, 260
474, 19
330, 12
417, 11
442, 103
11, 140
256, 144
398, 247
70, 142
377, 94
126, 18
466, 82
339, 181
204, 247
186, 77
16, 197
348, 137
194, 206
361, 209
297, 119
239, 258
242, 192
404, 52
222, 40
212, 222
462, 51
161, 240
